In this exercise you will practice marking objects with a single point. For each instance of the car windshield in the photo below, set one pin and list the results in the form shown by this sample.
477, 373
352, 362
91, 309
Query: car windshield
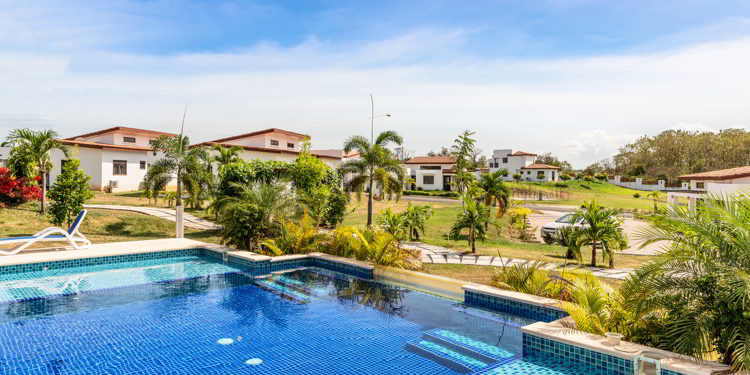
567, 219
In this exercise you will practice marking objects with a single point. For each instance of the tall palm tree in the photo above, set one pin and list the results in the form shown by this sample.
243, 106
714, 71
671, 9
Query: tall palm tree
188, 165
34, 147
701, 284
475, 218
495, 191
415, 219
601, 229
226, 155
655, 195
372, 158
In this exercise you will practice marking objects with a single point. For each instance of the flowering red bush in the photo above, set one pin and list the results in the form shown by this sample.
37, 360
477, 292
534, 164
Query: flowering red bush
14, 191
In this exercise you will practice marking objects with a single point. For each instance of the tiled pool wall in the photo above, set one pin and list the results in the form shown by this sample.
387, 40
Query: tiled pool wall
535, 345
526, 310
254, 267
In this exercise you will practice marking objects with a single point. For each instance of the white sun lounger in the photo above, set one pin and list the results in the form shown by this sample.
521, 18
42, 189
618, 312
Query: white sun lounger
51, 234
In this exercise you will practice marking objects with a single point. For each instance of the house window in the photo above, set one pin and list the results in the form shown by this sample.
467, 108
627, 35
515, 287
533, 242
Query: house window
700, 185
128, 139
428, 180
274, 142
540, 175
528, 172
119, 167
434, 167
290, 145
151, 142
143, 164
553, 175
505, 160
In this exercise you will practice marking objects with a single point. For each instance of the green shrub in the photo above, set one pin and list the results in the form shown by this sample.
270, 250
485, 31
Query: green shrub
70, 191
565, 177
428, 193
561, 185
636, 195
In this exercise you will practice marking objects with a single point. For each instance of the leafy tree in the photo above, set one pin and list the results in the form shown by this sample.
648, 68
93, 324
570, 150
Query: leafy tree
517, 177
602, 230
226, 155
495, 191
69, 192
415, 219
254, 214
549, 159
463, 150
372, 157
444, 151
33, 148
565, 177
701, 284
475, 218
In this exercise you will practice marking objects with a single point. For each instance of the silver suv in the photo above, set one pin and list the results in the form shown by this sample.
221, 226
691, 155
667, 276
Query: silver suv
568, 220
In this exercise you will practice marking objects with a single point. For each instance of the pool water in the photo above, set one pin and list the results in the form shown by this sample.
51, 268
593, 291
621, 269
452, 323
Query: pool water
195, 315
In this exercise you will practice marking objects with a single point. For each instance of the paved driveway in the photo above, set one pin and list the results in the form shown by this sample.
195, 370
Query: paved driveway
630, 226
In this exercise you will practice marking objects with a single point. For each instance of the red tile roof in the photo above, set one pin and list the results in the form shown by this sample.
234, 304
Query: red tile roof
721, 174
431, 160
104, 146
122, 128
540, 166
522, 153
259, 132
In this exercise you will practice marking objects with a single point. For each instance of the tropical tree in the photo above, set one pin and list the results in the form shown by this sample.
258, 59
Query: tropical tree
495, 191
33, 148
295, 237
655, 195
475, 218
373, 156
254, 214
191, 166
601, 229
415, 220
69, 192
463, 150
226, 155
392, 223
701, 284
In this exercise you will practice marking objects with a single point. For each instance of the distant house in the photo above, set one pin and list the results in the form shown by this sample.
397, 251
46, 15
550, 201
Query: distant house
524, 164
4, 155
723, 182
431, 172
274, 144
116, 158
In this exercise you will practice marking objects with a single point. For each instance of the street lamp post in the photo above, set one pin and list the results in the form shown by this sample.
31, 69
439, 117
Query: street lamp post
372, 144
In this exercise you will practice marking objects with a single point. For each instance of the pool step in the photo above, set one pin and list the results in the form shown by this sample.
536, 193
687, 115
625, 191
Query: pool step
446, 357
496, 368
283, 291
465, 345
300, 286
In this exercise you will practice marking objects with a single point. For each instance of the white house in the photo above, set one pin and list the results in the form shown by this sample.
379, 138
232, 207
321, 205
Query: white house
431, 172
116, 159
274, 144
723, 182
4, 155
523, 163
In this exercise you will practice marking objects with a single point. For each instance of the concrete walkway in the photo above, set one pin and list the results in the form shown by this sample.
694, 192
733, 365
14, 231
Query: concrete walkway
440, 255
164, 213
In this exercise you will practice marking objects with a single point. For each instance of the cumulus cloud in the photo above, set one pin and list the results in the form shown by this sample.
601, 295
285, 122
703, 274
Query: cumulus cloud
596, 145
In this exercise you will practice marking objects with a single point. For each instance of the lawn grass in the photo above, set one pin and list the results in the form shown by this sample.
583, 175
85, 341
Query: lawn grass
577, 192
100, 226
497, 243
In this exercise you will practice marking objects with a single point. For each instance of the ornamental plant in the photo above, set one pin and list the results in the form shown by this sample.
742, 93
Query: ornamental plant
14, 191
69, 193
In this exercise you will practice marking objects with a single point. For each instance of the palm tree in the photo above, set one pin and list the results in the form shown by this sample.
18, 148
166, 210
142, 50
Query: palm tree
475, 217
34, 147
415, 220
392, 223
189, 165
701, 284
601, 230
372, 157
226, 155
495, 191
655, 195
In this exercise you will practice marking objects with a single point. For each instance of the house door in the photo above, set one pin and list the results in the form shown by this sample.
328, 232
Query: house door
447, 183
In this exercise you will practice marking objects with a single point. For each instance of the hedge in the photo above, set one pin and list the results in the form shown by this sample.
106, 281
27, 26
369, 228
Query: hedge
436, 193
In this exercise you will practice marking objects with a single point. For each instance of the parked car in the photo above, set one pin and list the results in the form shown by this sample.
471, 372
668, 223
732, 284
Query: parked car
568, 220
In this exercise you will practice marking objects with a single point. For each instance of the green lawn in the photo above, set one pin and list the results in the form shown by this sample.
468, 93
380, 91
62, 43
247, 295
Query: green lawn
576, 192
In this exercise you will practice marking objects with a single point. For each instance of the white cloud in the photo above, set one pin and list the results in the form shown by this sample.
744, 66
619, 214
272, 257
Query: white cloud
580, 108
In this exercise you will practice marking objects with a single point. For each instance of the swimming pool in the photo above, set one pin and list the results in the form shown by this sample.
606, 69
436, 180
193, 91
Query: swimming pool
188, 313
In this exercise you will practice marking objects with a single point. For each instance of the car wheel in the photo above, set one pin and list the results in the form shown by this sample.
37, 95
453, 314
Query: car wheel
548, 240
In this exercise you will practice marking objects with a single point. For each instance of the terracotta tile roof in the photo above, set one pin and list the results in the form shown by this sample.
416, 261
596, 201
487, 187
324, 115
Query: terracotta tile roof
522, 153
104, 146
259, 132
124, 129
721, 174
540, 166
265, 149
431, 160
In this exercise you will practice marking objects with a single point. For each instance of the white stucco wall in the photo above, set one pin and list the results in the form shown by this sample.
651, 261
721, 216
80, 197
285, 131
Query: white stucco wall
418, 174
264, 140
117, 138
91, 164
132, 180
534, 175
513, 164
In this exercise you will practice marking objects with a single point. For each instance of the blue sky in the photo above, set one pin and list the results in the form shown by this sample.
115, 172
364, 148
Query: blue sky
575, 77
